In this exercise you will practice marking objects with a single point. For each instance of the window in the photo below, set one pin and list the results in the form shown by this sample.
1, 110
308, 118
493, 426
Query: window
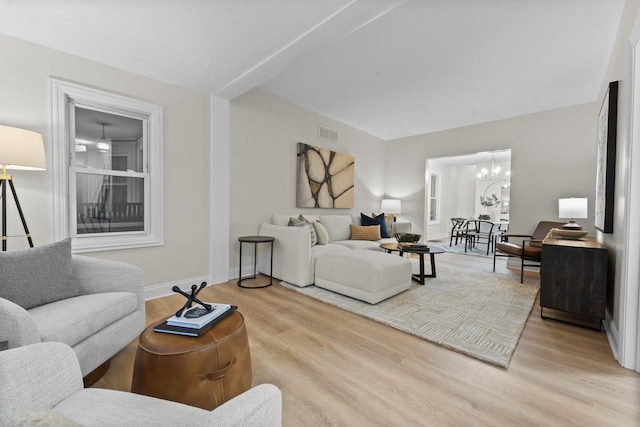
107, 156
434, 199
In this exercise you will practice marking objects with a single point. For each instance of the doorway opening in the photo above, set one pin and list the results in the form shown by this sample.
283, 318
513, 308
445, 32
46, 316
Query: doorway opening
470, 186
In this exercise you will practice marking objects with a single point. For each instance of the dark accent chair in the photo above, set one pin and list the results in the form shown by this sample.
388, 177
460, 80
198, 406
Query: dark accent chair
458, 230
530, 249
477, 231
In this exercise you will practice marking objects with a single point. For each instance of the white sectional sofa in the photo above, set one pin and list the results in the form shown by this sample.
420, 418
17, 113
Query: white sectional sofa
294, 258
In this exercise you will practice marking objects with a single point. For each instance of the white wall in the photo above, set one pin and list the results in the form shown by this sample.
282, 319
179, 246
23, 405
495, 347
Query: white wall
264, 132
553, 156
220, 188
465, 190
24, 84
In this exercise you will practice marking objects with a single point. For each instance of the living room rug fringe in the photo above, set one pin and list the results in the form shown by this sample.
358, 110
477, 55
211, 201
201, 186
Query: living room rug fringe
476, 313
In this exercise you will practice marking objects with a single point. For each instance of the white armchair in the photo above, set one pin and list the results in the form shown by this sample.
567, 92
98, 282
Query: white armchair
106, 313
42, 383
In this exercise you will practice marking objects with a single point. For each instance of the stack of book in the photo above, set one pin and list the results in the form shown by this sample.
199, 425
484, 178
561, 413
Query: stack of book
413, 246
196, 320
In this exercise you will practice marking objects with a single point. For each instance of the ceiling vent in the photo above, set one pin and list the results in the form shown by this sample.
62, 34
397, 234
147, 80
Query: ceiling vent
327, 134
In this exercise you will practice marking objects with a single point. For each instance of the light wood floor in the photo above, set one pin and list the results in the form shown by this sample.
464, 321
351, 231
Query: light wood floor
339, 369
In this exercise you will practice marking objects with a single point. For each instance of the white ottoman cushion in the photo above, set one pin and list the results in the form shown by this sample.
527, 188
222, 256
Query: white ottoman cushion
363, 274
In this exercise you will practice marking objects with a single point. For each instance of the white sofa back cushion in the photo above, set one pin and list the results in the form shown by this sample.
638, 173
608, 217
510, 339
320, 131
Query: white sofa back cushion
338, 226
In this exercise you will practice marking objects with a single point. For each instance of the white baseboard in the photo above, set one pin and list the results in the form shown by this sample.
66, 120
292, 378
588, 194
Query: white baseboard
612, 334
247, 271
165, 289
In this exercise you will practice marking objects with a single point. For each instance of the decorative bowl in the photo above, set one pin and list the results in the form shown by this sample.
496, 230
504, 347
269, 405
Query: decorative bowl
407, 237
561, 233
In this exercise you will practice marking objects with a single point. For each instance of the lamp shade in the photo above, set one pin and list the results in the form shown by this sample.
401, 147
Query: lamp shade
21, 149
391, 206
572, 208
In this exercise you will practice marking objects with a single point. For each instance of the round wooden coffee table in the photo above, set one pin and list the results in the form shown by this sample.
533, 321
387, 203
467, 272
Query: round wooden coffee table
393, 247
203, 371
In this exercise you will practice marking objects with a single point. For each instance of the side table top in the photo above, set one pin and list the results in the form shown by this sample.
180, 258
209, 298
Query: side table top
256, 239
161, 343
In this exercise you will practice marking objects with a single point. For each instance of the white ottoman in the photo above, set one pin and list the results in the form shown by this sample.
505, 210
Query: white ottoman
367, 275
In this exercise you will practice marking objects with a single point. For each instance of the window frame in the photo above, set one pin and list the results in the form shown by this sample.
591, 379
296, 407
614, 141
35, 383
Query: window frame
433, 176
66, 95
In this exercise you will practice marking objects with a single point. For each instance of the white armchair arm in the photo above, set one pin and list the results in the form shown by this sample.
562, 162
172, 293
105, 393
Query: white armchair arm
258, 406
97, 275
291, 253
17, 327
38, 376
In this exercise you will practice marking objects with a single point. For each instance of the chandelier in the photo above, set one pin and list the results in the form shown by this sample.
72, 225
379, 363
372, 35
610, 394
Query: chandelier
494, 173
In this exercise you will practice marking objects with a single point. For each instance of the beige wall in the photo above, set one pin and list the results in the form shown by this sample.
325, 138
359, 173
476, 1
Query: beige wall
264, 133
553, 156
24, 83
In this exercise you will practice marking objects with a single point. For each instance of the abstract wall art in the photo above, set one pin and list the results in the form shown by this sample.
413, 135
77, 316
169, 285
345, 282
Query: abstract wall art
606, 160
325, 178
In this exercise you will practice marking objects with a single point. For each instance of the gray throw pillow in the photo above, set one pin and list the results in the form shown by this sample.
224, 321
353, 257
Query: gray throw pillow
38, 276
296, 222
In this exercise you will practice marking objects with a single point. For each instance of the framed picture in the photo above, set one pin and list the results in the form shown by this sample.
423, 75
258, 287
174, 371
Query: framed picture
325, 178
606, 160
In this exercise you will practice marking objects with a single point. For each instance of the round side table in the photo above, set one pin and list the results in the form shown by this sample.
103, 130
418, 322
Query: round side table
255, 240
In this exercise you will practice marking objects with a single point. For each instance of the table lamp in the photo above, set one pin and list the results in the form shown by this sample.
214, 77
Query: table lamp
19, 149
572, 208
391, 206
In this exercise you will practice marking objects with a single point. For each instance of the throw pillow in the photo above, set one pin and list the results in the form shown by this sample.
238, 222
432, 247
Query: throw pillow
321, 232
312, 231
38, 276
388, 218
379, 220
295, 222
365, 232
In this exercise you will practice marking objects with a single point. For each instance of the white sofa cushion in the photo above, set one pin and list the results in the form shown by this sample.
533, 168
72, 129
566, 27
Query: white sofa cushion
359, 244
72, 320
338, 226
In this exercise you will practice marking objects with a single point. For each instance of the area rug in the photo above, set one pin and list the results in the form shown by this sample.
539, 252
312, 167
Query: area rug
480, 250
473, 312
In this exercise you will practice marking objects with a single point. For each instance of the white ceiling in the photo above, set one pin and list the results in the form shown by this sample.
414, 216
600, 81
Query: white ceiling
392, 68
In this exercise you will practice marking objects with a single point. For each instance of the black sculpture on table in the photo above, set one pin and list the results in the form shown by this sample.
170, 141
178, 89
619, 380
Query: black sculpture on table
191, 298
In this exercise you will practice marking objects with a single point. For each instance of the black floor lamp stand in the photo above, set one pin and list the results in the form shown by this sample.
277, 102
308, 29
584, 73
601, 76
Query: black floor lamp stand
4, 178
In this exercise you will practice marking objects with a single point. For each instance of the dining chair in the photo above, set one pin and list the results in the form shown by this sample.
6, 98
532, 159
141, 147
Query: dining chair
458, 229
477, 231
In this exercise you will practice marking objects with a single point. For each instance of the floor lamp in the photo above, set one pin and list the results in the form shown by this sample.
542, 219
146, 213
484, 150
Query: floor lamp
19, 149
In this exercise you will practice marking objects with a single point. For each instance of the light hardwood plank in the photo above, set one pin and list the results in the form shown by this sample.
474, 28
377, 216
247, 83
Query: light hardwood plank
339, 369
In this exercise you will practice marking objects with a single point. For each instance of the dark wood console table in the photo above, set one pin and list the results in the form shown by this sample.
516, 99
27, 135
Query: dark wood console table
573, 278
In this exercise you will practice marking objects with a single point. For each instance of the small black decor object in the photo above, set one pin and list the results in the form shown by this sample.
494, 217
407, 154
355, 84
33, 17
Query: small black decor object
191, 299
